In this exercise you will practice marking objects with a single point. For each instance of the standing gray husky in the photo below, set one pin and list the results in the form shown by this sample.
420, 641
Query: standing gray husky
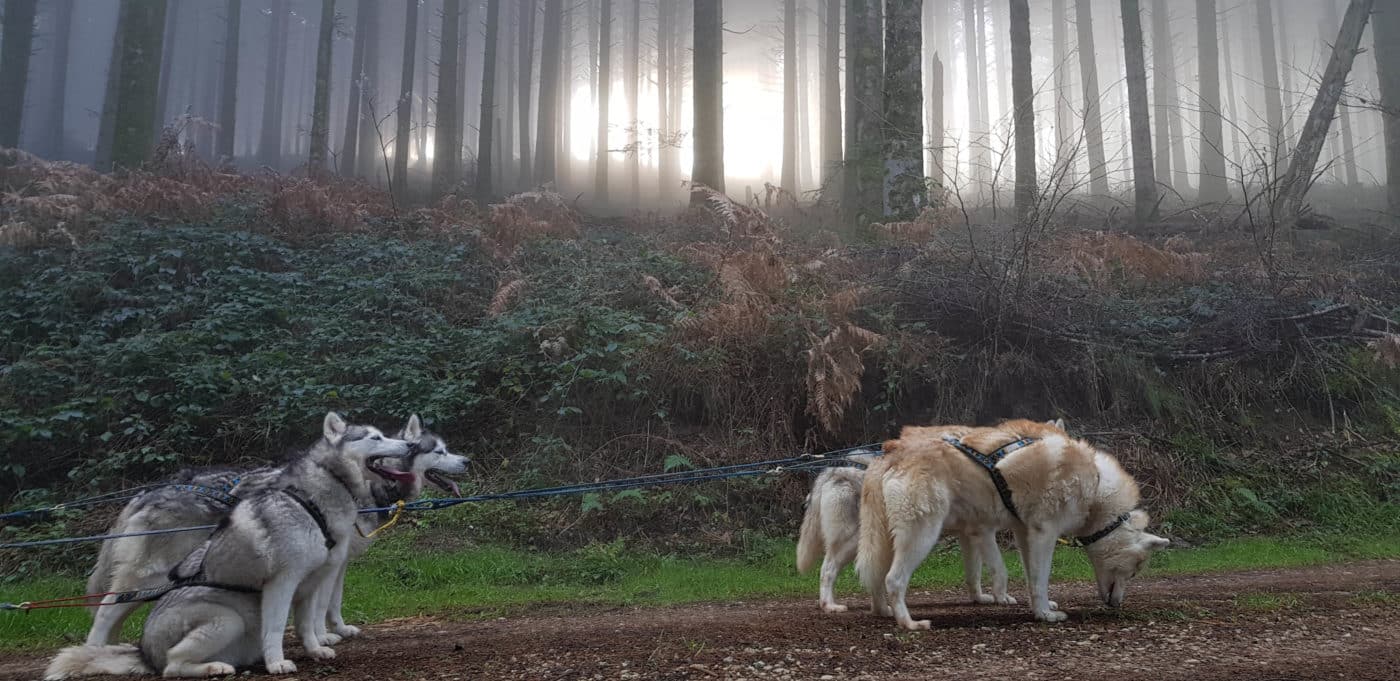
283, 543
204, 497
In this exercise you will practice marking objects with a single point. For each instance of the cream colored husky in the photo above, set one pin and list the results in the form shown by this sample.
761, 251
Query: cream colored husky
924, 486
831, 523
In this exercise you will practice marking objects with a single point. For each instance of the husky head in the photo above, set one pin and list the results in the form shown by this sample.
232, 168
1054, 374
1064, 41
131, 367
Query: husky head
431, 458
367, 446
1121, 554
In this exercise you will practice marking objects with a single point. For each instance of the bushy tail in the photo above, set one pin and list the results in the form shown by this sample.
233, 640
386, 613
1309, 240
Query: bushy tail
876, 551
810, 544
94, 660
101, 575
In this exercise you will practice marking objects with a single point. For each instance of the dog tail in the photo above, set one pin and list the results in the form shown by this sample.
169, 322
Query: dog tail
810, 544
876, 551
101, 575
123, 660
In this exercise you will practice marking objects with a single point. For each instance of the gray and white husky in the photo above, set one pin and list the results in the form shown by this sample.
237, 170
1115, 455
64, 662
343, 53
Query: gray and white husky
283, 543
137, 563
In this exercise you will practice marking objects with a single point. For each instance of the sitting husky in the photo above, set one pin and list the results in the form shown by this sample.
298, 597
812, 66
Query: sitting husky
137, 563
831, 524
282, 543
927, 483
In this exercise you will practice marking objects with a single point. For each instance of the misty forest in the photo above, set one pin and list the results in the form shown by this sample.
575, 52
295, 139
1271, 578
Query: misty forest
591, 239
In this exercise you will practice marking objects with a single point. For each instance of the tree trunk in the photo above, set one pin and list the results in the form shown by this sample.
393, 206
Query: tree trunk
865, 81
708, 94
975, 83
270, 136
447, 145
403, 134
1162, 87
1387, 43
107, 124
464, 100
171, 35
1231, 106
903, 134
665, 39
321, 107
228, 80
604, 86
547, 135
563, 160
937, 132
1273, 102
631, 76
1023, 95
349, 151
832, 154
16, 44
1089, 76
488, 105
527, 68
1144, 182
141, 24
1214, 188
52, 142
1296, 182
789, 180
1348, 150
804, 123
369, 150
1059, 32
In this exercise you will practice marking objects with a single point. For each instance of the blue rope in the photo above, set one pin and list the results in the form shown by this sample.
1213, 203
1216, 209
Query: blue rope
755, 468
85, 502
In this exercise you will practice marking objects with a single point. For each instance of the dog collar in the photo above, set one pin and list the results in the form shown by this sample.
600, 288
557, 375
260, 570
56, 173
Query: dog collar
314, 511
1117, 522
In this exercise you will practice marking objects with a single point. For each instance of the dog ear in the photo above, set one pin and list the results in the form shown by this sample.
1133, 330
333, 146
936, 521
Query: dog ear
334, 427
1057, 423
413, 429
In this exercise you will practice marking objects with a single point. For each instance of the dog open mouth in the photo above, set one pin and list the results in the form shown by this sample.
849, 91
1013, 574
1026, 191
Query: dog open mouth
442, 482
375, 464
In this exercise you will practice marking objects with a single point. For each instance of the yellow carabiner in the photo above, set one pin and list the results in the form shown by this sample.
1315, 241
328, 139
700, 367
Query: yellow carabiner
398, 511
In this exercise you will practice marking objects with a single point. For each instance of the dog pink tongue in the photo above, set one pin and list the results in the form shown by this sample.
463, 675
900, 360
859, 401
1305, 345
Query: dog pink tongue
404, 477
456, 491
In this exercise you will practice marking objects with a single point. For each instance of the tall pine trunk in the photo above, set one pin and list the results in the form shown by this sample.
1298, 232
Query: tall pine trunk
1296, 182
16, 44
1348, 150
665, 40
321, 107
349, 149
447, 146
1023, 97
975, 83
1214, 187
903, 134
1059, 37
1144, 181
1386, 33
527, 66
865, 81
1089, 78
141, 24
228, 81
1162, 86
53, 142
563, 161
270, 136
804, 122
708, 94
632, 74
832, 155
1273, 101
547, 138
937, 132
600, 177
485, 122
789, 180
171, 35
403, 133
369, 150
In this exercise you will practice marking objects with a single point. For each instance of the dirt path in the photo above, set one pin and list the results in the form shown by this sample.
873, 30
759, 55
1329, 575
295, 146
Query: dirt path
1325, 622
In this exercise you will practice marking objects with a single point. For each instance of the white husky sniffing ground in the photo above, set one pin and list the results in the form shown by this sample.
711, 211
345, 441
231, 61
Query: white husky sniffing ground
831, 523
924, 486
282, 544
138, 563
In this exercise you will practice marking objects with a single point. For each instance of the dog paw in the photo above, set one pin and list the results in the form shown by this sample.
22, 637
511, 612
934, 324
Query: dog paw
321, 653
1053, 605
218, 669
347, 631
281, 667
983, 599
833, 607
1007, 599
1051, 616
329, 639
919, 625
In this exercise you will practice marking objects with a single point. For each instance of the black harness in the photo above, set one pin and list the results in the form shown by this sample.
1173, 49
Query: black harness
990, 461
1117, 522
314, 511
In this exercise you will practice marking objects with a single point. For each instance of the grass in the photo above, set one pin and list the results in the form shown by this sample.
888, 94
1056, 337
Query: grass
398, 579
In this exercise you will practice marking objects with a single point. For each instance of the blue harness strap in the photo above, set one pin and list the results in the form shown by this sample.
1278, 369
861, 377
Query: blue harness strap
217, 495
990, 461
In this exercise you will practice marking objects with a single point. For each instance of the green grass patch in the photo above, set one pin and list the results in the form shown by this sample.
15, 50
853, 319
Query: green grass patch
398, 579
1267, 602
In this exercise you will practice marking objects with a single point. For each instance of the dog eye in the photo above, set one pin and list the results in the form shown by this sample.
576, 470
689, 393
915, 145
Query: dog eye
376, 437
